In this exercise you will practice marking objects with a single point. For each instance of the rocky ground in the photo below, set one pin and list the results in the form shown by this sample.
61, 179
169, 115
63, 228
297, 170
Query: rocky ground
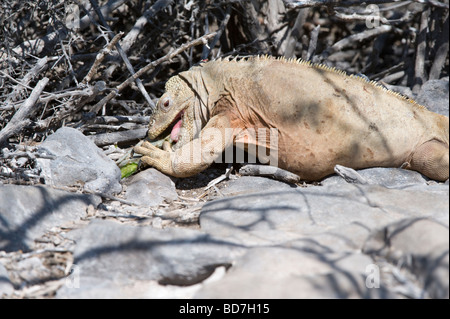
85, 233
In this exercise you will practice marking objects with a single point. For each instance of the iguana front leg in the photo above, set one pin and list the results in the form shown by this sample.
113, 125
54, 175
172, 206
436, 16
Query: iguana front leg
193, 157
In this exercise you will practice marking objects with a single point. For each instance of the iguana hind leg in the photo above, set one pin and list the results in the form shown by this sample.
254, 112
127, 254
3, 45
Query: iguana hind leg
431, 159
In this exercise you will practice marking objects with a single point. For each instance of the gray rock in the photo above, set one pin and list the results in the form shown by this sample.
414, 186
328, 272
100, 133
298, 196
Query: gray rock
419, 244
32, 270
150, 188
315, 209
273, 272
388, 177
104, 288
434, 94
125, 254
27, 212
78, 161
253, 184
6, 287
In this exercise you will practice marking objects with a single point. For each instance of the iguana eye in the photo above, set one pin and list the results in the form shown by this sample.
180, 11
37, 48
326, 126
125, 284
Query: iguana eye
166, 103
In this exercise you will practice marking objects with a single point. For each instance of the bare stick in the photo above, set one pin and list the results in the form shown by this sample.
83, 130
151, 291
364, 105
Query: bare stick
419, 68
72, 107
350, 175
441, 53
313, 42
19, 88
342, 44
141, 22
151, 65
123, 55
119, 137
137, 29
100, 56
20, 118
269, 171
222, 27
36, 46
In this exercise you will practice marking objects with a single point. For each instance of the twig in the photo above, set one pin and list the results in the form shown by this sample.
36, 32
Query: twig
131, 37
20, 118
122, 54
122, 118
419, 68
222, 27
219, 179
148, 67
269, 171
36, 46
441, 52
118, 137
99, 58
348, 41
349, 175
19, 88
16, 81
393, 77
69, 93
68, 62
313, 42
84, 96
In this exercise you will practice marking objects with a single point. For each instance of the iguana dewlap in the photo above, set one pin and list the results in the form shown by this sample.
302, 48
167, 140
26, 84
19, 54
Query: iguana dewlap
322, 117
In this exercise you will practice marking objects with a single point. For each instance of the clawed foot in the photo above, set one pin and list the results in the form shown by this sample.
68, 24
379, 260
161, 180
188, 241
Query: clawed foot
154, 156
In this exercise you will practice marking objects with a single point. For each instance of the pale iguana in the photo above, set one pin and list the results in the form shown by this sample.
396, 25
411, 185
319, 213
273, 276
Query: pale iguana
323, 118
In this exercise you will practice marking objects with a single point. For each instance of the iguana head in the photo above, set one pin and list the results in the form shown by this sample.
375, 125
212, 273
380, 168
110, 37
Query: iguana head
175, 107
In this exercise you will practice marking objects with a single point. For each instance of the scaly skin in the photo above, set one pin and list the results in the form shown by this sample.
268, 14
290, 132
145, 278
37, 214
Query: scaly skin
323, 118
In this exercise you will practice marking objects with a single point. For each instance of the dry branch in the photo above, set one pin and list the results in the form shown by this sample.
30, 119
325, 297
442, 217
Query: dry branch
137, 29
122, 54
20, 87
167, 57
441, 52
420, 74
37, 46
119, 137
354, 38
21, 117
100, 56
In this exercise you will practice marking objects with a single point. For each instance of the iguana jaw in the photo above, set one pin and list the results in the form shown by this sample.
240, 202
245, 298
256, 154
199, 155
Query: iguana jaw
156, 130
177, 120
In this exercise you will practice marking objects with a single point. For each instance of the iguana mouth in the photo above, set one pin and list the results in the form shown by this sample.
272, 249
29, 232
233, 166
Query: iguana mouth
175, 132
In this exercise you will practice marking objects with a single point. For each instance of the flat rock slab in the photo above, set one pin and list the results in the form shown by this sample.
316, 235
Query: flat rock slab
77, 161
150, 188
27, 212
125, 254
315, 209
253, 184
274, 272
419, 244
388, 177
317, 242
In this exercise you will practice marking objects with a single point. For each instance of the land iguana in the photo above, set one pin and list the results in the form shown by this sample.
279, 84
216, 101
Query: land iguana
323, 117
